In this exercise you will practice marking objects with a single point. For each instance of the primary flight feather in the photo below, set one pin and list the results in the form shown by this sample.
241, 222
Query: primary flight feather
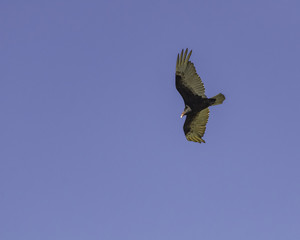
191, 88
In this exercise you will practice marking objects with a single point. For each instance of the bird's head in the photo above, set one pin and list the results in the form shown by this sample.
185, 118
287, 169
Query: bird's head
186, 110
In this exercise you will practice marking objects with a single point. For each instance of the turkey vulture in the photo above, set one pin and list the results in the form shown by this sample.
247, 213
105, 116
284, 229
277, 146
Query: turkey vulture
192, 90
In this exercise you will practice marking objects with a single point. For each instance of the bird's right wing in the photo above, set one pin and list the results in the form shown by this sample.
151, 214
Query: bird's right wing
187, 80
195, 125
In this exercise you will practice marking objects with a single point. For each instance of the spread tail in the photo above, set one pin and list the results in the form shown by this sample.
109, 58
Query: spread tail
219, 99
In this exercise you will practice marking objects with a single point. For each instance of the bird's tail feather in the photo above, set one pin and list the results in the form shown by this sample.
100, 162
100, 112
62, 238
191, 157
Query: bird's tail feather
219, 99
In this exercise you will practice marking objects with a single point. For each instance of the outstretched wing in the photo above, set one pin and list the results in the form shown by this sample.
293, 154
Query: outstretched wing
195, 125
188, 81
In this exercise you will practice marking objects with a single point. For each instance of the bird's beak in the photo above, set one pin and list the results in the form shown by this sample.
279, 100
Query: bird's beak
182, 114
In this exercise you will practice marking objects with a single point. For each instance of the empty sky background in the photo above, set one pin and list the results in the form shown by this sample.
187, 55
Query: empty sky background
92, 146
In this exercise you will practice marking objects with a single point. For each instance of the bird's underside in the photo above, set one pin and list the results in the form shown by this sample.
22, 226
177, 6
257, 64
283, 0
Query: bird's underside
191, 88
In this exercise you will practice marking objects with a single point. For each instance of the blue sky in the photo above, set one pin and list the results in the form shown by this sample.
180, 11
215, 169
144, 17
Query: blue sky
92, 143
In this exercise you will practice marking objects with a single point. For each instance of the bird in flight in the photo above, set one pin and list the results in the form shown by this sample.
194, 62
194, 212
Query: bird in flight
191, 88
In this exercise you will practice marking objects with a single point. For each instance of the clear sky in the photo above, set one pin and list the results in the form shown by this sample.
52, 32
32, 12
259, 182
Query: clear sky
92, 146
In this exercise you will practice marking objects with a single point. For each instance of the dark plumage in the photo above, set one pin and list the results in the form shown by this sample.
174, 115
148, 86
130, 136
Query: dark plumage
192, 90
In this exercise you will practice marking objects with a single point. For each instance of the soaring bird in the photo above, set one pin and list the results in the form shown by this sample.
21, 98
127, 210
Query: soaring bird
191, 88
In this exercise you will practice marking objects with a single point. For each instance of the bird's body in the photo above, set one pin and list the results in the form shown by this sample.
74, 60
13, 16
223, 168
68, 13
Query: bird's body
196, 102
192, 90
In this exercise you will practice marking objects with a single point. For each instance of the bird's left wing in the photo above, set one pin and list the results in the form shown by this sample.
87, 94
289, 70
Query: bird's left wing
187, 80
195, 125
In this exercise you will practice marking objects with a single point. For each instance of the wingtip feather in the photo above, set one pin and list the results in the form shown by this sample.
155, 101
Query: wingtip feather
188, 57
184, 57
